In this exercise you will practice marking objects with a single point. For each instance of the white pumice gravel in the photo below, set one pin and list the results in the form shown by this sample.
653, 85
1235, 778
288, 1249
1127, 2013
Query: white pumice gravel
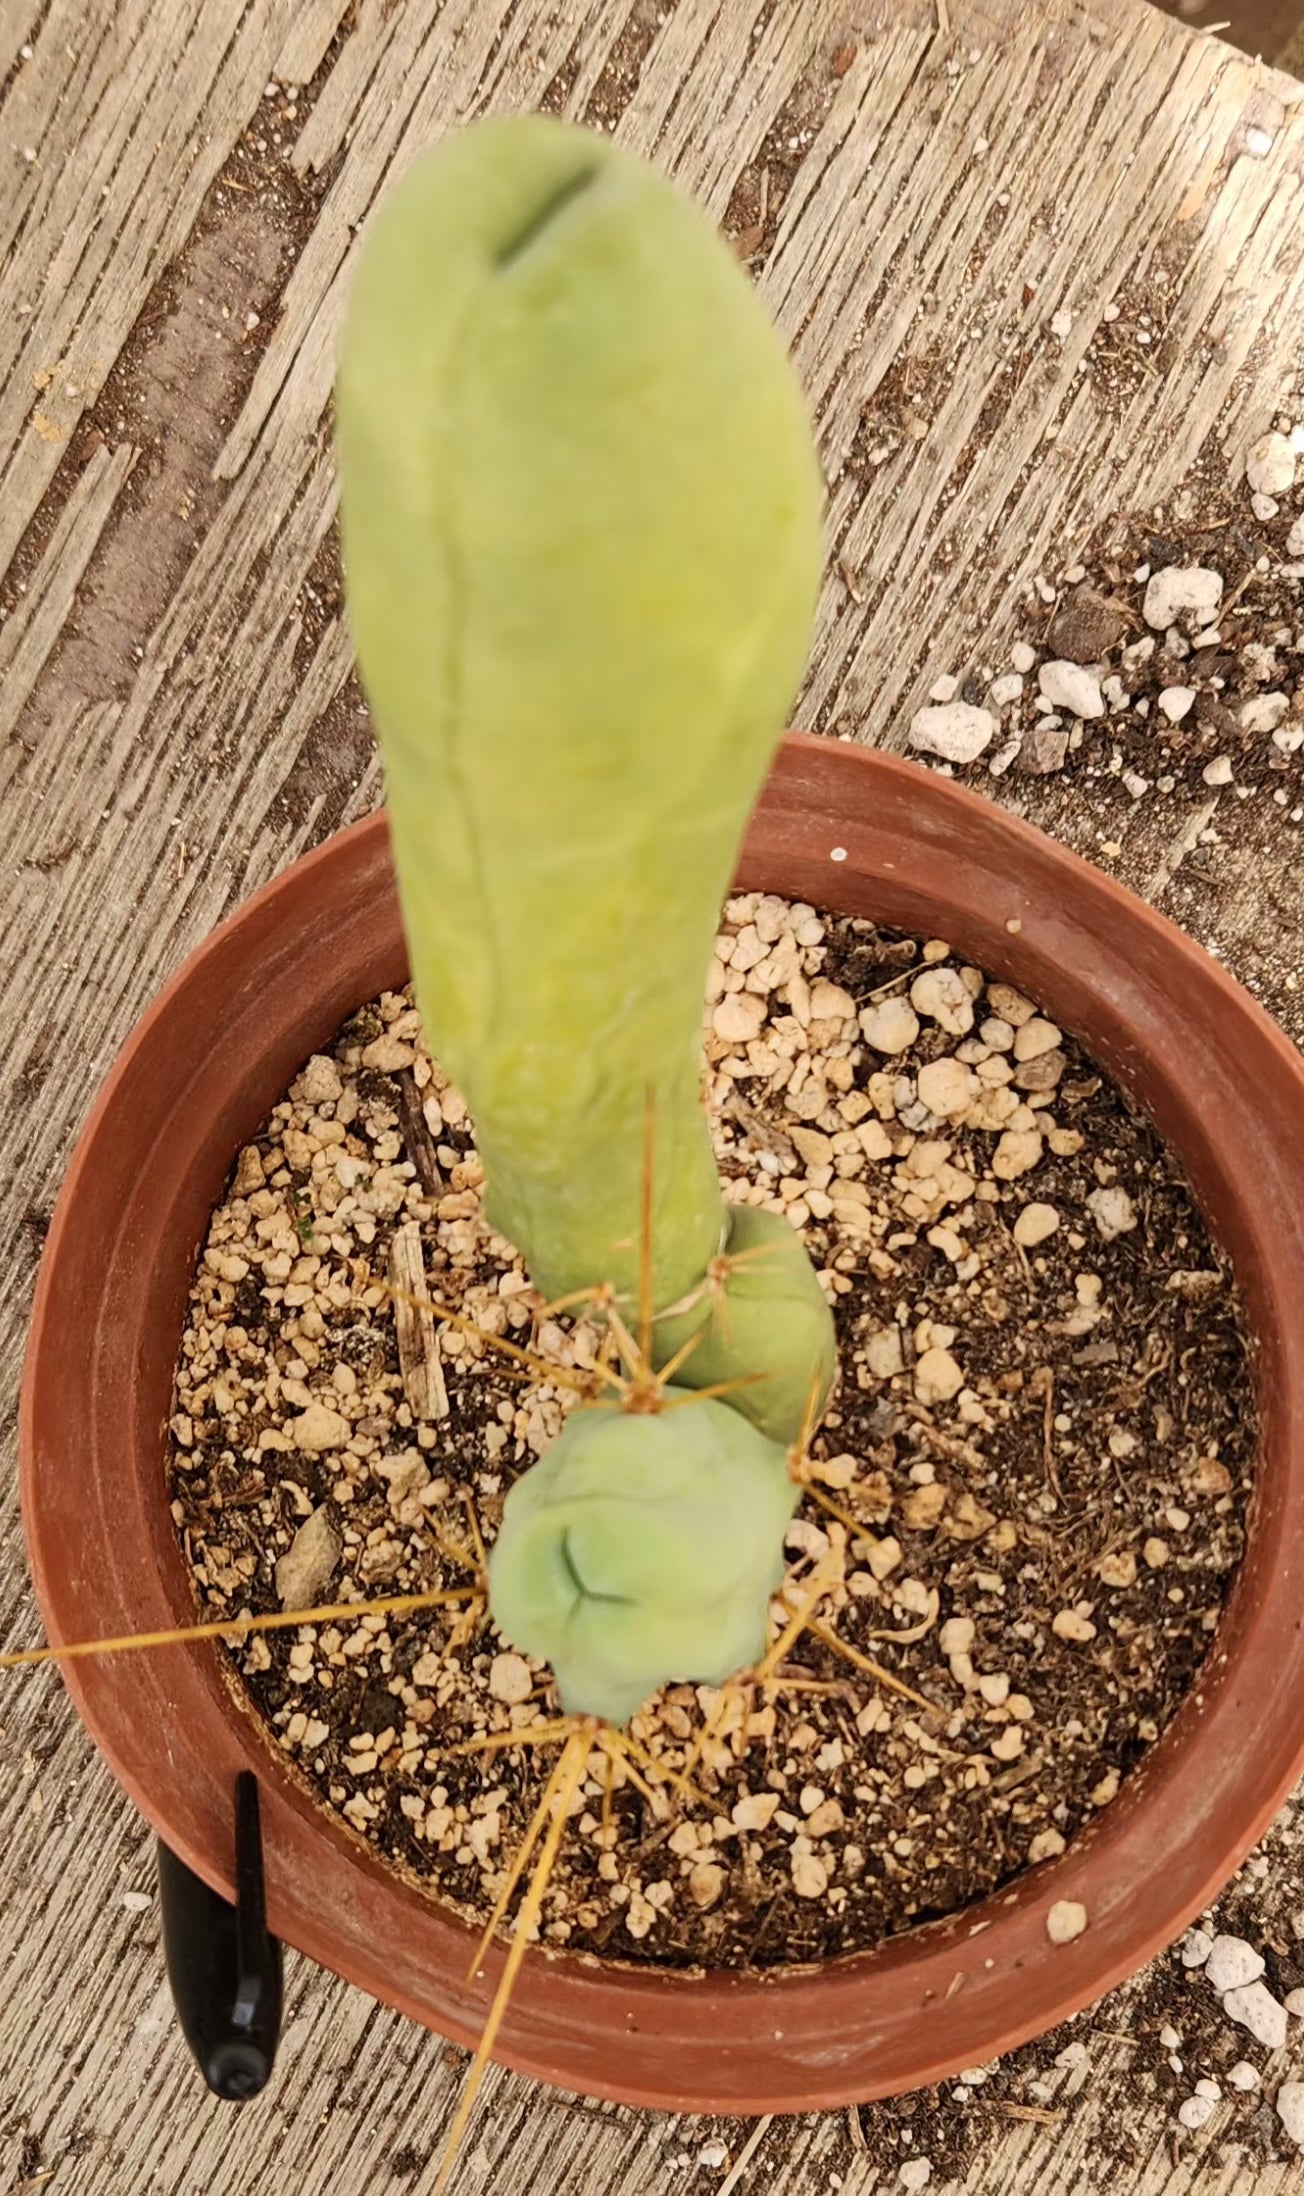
1254, 2007
1231, 1962
958, 732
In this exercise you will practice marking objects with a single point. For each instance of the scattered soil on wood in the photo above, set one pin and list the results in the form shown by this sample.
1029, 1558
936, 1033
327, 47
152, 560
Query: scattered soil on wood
1041, 1447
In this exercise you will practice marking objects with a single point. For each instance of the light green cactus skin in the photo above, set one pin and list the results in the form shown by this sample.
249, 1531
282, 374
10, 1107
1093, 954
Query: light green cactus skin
644, 1549
580, 524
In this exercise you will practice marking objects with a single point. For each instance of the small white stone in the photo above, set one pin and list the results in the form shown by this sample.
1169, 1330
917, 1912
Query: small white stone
947, 1087
1193, 589
510, 1678
1196, 1946
1177, 702
956, 1636
957, 731
1113, 1212
1254, 2007
1295, 539
1036, 1038
739, 1017
137, 1902
1193, 2112
1072, 687
1243, 2075
1290, 2110
1258, 142
713, 2155
320, 1428
937, 1376
1035, 1223
1005, 690
1295, 2004
319, 1083
1017, 1152
1061, 324
883, 1352
944, 689
1066, 1920
1219, 771
1270, 465
810, 1878
1023, 657
1264, 507
889, 1025
941, 994
916, 2173
1169, 2037
1264, 712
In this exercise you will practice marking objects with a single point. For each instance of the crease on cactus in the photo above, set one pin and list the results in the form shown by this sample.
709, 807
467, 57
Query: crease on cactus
581, 540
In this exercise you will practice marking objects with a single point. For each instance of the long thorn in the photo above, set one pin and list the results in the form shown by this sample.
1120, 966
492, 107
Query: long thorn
577, 1754
710, 1725
646, 1201
473, 1521
874, 1669
613, 1742
844, 1517
515, 1872
534, 1734
560, 1375
235, 1629
719, 1387
681, 1356
792, 1631
661, 1772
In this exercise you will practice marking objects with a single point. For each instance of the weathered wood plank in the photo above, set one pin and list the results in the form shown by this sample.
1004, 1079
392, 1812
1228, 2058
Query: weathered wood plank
169, 748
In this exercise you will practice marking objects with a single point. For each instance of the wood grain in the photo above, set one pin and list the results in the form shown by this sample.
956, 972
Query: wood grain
178, 720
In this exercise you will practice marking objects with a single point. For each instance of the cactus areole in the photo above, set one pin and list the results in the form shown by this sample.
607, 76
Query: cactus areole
581, 543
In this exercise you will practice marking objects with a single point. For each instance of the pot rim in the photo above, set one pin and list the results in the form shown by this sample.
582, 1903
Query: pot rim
858, 831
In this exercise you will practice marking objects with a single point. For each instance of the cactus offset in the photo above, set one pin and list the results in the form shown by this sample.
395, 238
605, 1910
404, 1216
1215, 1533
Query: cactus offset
580, 522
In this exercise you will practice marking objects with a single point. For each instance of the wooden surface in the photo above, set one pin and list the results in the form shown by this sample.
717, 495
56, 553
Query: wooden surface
177, 721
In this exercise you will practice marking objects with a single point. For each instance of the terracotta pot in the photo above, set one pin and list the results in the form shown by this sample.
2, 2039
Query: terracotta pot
847, 829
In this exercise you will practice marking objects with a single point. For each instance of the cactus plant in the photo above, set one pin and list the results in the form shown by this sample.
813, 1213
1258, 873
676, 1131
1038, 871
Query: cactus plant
580, 513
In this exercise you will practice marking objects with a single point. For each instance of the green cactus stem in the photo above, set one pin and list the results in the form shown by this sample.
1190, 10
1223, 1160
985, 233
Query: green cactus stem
644, 1549
580, 525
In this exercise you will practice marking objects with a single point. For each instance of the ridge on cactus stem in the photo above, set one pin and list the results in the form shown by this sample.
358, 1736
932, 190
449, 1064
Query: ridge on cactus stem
580, 512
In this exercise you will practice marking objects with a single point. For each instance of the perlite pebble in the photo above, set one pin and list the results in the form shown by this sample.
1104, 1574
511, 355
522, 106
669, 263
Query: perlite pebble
1255, 2008
1034, 1224
1264, 712
1290, 2110
1177, 702
889, 1025
947, 1087
713, 2155
1230, 1962
1192, 590
320, 1428
916, 2173
937, 1377
957, 731
1066, 1920
1243, 2075
1072, 687
1193, 2112
1113, 1212
941, 995
1218, 772
1023, 657
1005, 690
1270, 465
510, 1678
1295, 2004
